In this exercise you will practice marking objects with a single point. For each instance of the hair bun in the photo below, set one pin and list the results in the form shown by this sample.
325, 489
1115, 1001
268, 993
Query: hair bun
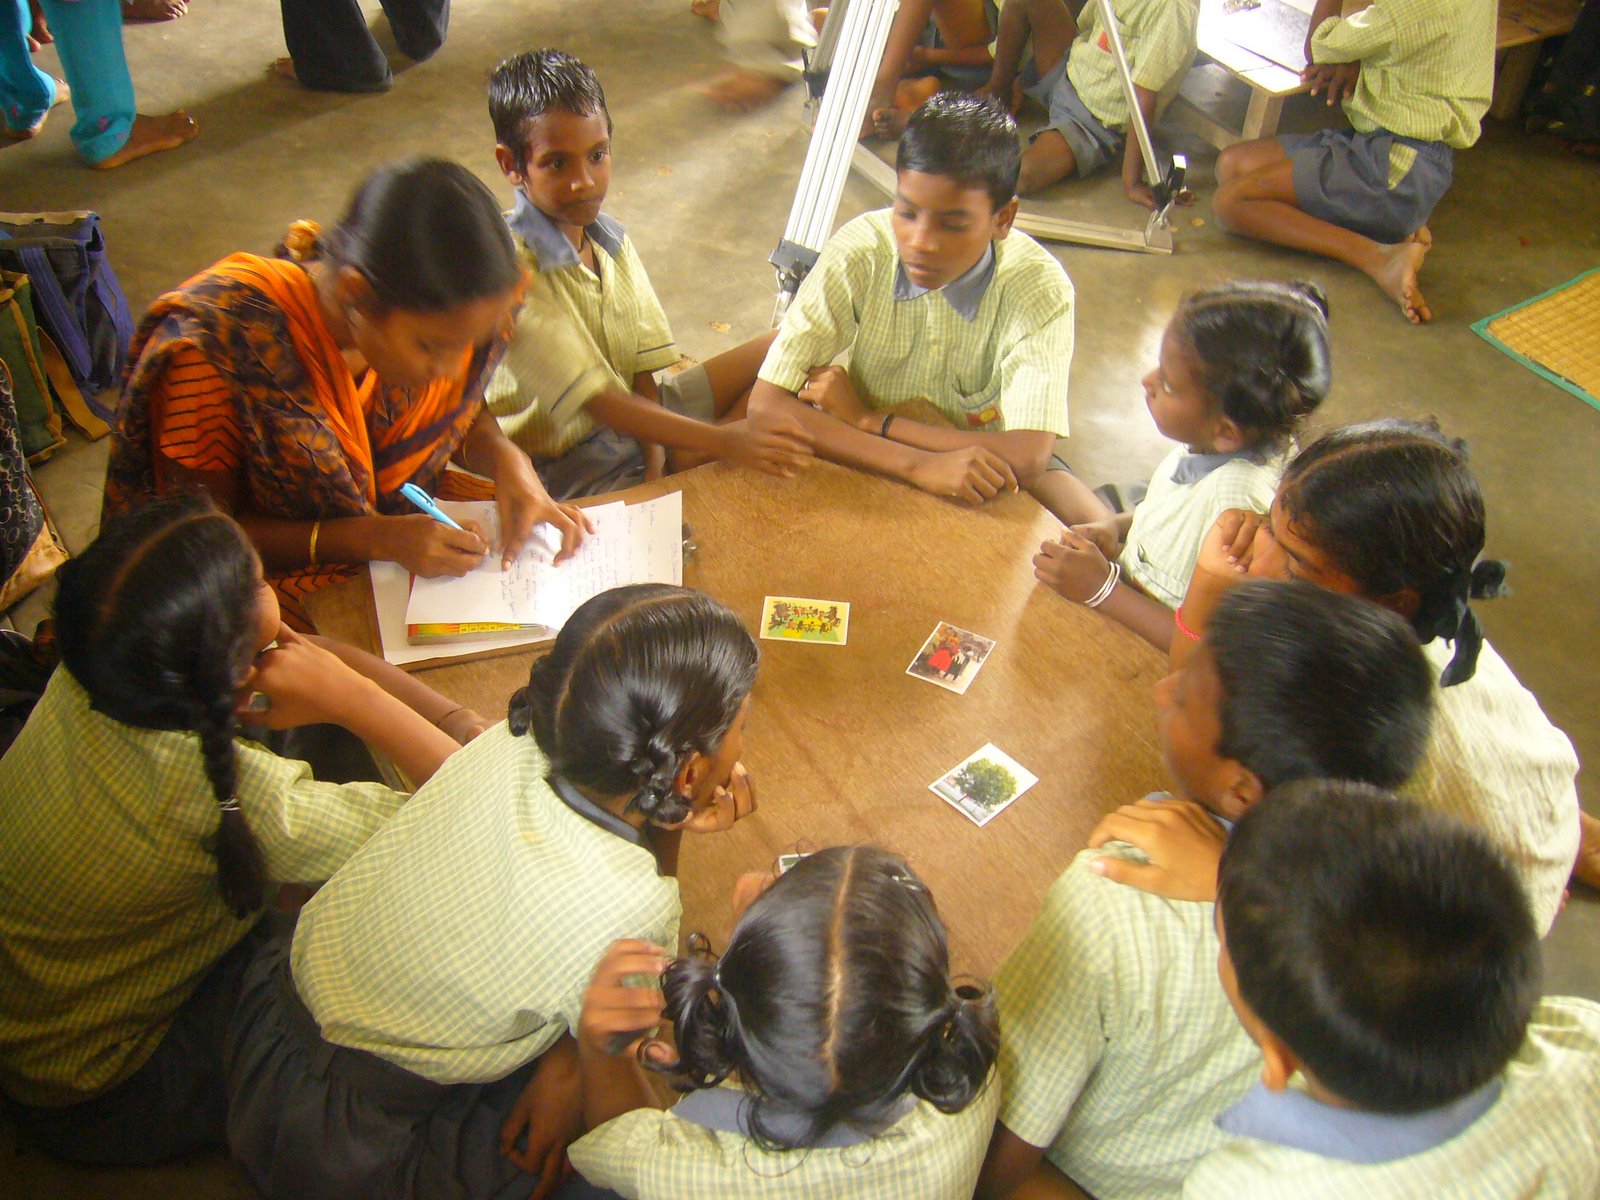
703, 1020
1488, 579
961, 1052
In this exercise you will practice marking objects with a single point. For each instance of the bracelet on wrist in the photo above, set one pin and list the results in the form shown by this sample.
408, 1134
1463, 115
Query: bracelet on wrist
1110, 585
439, 723
311, 546
1177, 617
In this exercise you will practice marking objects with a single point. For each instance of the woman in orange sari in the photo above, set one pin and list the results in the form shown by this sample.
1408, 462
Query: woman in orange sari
302, 392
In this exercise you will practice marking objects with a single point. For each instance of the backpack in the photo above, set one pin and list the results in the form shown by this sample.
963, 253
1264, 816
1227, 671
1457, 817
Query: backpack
76, 296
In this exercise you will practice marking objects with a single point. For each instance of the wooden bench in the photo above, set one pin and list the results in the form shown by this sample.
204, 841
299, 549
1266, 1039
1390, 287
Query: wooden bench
1222, 66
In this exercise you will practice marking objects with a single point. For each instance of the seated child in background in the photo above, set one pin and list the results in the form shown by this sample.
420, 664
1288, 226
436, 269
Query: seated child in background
1384, 960
576, 388
1074, 75
1242, 365
1117, 1049
862, 1070
1416, 78
936, 299
1390, 511
932, 44
413, 1042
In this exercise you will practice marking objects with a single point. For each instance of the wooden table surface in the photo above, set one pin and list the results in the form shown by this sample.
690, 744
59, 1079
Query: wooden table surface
841, 742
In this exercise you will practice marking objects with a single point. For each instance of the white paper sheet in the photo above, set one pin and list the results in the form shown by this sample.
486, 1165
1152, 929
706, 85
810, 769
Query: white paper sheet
637, 543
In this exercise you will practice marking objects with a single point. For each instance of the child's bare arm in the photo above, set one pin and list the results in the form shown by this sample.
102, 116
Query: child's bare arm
779, 447
972, 475
655, 454
1075, 568
1320, 12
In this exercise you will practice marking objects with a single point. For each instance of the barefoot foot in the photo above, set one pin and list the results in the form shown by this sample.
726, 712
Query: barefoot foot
889, 123
740, 90
711, 10
63, 94
283, 68
1397, 273
1423, 236
151, 135
154, 10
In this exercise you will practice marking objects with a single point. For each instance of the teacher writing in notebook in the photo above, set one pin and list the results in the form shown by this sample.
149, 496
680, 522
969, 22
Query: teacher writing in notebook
303, 391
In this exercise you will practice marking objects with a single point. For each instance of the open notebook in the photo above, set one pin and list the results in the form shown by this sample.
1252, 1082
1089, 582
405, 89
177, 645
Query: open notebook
632, 543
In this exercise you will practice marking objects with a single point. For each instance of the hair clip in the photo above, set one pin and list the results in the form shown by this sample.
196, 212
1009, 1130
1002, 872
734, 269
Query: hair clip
907, 880
231, 804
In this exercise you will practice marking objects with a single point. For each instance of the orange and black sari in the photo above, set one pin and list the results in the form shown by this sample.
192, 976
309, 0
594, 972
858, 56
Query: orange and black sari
236, 370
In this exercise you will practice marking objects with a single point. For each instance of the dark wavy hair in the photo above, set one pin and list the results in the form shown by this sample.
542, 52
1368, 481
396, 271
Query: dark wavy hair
526, 86
157, 621
965, 138
639, 679
1391, 948
832, 1001
427, 235
1395, 505
1262, 354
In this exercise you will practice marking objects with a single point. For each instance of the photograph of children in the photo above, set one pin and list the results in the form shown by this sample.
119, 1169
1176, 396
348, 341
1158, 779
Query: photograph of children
950, 657
794, 619
984, 784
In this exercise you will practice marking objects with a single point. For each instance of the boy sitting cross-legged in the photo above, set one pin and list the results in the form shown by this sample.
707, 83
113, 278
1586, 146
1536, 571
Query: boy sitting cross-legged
1385, 961
1416, 77
577, 388
1117, 1047
936, 299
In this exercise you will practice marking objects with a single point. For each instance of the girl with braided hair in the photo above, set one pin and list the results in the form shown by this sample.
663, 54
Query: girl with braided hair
1390, 511
414, 1040
1242, 365
825, 1053
139, 835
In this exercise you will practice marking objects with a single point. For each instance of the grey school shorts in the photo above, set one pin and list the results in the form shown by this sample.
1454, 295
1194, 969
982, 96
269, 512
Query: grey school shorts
608, 461
1093, 145
1342, 177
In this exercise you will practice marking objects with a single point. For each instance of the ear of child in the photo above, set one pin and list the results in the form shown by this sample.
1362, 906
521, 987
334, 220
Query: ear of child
727, 803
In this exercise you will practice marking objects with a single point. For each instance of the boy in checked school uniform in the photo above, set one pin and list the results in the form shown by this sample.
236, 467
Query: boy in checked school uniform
1117, 1047
577, 388
1385, 961
1073, 74
1415, 78
936, 299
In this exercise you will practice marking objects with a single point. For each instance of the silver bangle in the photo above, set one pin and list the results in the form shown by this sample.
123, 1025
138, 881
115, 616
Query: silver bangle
1106, 588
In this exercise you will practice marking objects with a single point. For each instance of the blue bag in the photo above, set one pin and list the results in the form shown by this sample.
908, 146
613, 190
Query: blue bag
76, 296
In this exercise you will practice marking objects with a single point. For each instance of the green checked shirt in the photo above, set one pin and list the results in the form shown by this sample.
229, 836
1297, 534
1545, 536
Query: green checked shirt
648, 1154
1118, 1046
577, 332
1495, 761
1158, 36
1172, 520
999, 361
458, 943
1539, 1139
110, 914
1427, 67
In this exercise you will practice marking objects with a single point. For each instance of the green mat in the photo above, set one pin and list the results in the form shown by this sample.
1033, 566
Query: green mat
1556, 335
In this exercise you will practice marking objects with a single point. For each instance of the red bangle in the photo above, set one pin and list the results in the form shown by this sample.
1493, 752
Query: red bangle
1177, 616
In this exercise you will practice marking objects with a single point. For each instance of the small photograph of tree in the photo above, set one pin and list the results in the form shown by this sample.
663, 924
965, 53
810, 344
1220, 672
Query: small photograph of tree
986, 783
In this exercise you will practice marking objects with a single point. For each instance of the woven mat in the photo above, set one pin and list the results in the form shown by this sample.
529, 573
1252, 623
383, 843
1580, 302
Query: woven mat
1556, 335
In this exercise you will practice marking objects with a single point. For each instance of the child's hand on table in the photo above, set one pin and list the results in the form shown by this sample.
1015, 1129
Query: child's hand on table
1074, 567
1180, 838
972, 475
829, 389
1105, 534
778, 445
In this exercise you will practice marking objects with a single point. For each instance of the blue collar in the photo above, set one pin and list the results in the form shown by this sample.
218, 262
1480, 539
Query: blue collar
592, 812
727, 1110
964, 293
550, 246
1192, 468
1292, 1118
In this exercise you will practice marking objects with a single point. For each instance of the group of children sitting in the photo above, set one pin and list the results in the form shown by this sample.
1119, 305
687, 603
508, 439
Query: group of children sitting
1312, 969
1414, 77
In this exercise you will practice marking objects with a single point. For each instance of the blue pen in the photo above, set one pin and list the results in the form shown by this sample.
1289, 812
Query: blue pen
425, 502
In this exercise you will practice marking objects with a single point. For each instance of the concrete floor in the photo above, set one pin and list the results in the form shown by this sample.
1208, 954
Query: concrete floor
706, 196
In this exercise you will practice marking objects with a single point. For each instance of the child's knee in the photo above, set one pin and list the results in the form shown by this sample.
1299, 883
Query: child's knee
1230, 164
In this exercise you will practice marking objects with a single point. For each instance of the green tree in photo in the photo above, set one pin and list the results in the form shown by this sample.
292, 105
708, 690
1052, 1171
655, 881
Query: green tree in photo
988, 783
